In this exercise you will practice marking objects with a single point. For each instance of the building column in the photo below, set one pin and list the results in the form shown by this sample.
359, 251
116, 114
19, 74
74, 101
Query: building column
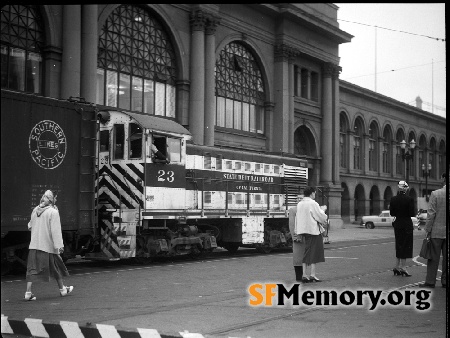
336, 134
268, 110
365, 159
182, 98
280, 137
197, 75
394, 158
335, 189
380, 145
71, 41
210, 83
52, 67
308, 84
417, 165
351, 151
291, 105
89, 48
298, 76
326, 139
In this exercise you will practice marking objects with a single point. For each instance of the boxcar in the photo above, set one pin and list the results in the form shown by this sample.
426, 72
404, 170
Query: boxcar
45, 144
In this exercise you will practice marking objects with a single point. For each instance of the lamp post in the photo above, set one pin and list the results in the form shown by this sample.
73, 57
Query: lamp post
426, 174
407, 154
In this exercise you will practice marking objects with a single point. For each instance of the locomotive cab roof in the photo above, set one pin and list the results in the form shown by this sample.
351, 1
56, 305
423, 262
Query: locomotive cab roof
158, 124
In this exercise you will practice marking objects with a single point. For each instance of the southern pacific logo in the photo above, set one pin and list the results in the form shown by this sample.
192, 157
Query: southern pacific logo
47, 144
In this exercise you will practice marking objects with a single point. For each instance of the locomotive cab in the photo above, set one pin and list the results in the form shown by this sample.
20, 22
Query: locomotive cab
141, 164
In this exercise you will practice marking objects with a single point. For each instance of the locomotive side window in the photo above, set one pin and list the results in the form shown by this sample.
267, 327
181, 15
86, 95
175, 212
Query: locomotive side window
104, 140
174, 146
135, 141
119, 141
219, 162
159, 150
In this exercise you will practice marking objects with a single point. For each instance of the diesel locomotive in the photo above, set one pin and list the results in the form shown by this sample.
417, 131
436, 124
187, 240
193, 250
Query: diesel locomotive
134, 186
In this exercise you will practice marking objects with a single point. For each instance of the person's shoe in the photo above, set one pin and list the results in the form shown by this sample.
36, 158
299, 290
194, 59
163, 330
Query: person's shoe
405, 273
426, 285
396, 272
29, 296
298, 273
314, 279
65, 291
305, 280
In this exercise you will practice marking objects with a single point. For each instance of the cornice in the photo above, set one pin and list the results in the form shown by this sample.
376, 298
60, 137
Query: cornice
357, 90
311, 21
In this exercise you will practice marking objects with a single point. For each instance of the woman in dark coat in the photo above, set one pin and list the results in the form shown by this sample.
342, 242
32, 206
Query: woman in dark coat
402, 207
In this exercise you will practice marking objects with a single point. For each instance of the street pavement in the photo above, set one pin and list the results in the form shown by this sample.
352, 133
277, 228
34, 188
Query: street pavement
208, 296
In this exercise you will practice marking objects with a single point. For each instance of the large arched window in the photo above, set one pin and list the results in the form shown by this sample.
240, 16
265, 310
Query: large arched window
422, 152
343, 130
304, 142
136, 63
441, 159
412, 165
373, 147
22, 42
358, 146
399, 160
239, 90
432, 157
387, 139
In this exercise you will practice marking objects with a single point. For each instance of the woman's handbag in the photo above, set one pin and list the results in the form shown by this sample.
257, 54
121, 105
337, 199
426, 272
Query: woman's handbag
321, 229
425, 251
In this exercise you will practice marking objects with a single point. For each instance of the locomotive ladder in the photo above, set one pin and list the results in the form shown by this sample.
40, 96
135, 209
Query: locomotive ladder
87, 218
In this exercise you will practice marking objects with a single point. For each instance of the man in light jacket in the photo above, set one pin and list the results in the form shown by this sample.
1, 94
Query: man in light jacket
436, 228
309, 216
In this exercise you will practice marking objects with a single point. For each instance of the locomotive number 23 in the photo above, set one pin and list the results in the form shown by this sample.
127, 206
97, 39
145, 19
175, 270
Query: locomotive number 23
168, 176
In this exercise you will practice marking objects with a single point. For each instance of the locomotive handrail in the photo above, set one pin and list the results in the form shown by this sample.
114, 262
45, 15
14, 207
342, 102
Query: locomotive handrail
120, 197
203, 179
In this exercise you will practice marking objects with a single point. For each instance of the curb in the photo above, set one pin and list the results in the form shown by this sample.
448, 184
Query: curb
36, 328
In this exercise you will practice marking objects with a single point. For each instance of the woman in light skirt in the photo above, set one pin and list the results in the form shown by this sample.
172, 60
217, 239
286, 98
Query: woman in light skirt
45, 247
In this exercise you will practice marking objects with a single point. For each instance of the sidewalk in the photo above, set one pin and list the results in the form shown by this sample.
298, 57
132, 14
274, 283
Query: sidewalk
354, 232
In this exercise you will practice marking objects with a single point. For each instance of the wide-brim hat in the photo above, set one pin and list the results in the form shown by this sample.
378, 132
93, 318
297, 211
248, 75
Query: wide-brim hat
403, 185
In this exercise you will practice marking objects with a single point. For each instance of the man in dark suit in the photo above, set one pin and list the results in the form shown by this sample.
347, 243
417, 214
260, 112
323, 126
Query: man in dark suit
436, 228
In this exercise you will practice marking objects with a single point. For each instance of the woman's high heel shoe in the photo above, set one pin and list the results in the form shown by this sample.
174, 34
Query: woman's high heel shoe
404, 273
396, 272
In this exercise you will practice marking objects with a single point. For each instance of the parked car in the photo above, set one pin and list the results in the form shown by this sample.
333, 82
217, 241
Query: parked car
422, 218
382, 220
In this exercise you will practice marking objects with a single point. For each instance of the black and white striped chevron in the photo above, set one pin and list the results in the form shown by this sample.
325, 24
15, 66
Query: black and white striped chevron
121, 186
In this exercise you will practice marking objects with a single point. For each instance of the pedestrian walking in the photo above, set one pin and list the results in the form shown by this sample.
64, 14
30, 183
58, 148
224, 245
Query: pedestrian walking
402, 208
436, 228
308, 219
298, 245
46, 244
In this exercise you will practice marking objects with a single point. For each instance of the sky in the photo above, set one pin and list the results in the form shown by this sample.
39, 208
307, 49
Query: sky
407, 63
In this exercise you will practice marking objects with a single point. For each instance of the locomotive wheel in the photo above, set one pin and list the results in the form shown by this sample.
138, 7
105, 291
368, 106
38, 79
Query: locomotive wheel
15, 267
196, 253
265, 249
7, 267
231, 247
143, 260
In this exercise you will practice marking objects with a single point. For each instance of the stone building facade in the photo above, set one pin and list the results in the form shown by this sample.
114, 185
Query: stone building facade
260, 77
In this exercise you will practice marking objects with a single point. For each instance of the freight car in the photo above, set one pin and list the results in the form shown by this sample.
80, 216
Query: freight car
133, 186
45, 144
